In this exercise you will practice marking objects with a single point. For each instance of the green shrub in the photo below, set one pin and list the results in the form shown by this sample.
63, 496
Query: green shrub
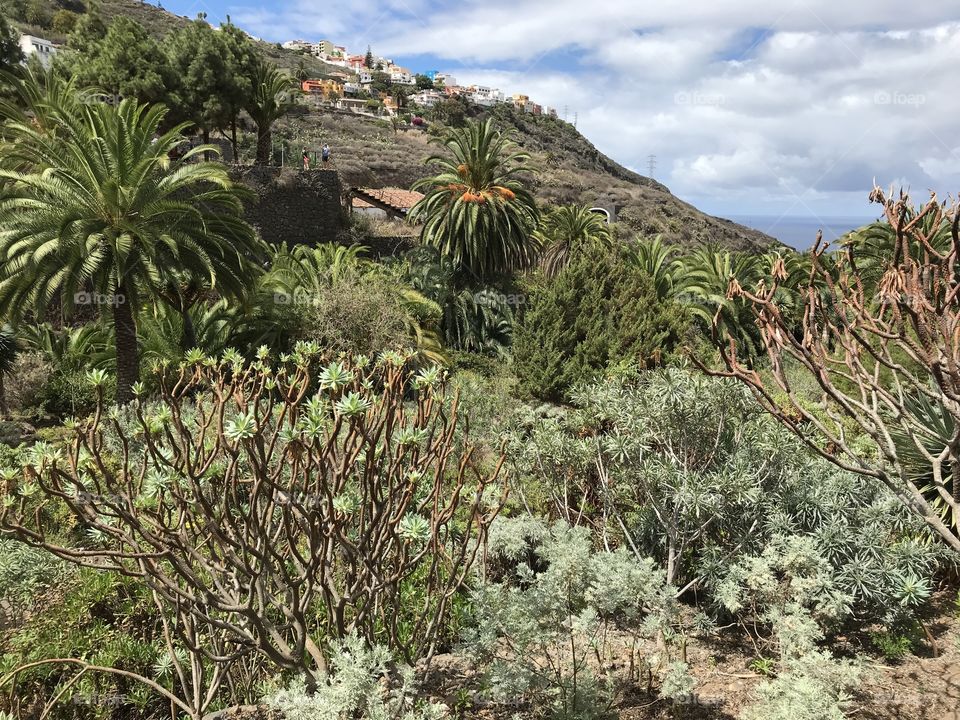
101, 617
26, 571
600, 312
689, 471
896, 643
67, 392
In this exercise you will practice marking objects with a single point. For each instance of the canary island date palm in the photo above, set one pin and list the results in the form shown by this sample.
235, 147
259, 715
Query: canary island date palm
93, 207
477, 211
567, 230
273, 95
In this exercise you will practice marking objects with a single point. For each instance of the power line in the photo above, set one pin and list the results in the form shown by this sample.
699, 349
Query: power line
651, 165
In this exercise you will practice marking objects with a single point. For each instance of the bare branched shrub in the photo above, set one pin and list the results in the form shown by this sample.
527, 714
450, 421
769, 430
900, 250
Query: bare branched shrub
273, 509
880, 335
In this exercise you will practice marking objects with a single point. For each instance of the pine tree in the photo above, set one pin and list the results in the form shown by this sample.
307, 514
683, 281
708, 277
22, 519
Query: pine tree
242, 60
199, 59
600, 312
124, 60
10, 53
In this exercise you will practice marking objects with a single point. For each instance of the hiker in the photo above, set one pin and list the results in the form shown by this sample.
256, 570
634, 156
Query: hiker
325, 153
306, 160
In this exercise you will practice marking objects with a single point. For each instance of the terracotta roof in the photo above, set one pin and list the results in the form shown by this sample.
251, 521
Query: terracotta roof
399, 200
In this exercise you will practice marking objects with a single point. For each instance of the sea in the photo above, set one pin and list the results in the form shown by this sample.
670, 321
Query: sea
800, 232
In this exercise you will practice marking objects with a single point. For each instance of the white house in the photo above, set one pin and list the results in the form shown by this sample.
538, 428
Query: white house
426, 98
486, 96
43, 49
400, 76
299, 45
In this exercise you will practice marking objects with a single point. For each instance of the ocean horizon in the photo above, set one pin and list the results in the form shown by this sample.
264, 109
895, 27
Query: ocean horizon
800, 232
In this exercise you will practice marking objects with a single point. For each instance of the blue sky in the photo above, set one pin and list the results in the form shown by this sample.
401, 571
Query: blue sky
752, 107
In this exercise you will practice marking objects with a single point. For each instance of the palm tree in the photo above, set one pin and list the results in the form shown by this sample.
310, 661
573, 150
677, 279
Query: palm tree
476, 319
702, 282
566, 230
477, 211
273, 95
93, 202
9, 349
657, 261
301, 73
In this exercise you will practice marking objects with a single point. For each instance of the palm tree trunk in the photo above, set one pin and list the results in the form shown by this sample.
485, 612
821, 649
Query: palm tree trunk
264, 145
128, 350
188, 333
233, 141
4, 410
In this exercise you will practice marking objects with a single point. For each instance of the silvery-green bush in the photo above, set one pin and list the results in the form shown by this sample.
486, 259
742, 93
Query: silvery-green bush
362, 685
26, 571
543, 635
811, 683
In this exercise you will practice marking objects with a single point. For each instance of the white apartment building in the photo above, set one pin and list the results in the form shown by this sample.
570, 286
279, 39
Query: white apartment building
43, 49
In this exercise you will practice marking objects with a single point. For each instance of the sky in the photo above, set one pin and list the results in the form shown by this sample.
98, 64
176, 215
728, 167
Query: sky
751, 107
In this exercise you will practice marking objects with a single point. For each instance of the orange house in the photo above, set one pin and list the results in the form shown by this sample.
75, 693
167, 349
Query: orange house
329, 89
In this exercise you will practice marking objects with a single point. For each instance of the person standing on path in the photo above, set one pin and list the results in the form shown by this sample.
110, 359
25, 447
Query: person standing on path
325, 153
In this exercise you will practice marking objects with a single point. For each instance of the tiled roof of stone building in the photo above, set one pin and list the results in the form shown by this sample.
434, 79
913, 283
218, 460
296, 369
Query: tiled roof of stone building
399, 200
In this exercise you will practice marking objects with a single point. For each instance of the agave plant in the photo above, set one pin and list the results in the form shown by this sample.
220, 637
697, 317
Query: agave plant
477, 211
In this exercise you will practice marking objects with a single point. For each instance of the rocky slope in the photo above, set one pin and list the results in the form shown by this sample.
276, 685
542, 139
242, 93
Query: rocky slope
567, 169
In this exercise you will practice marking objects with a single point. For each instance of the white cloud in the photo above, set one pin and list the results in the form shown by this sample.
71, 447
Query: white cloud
751, 105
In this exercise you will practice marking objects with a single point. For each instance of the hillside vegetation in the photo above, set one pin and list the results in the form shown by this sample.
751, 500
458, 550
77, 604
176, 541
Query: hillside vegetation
158, 22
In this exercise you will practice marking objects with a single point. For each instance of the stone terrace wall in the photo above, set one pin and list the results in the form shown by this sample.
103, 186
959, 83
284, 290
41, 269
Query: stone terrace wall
297, 206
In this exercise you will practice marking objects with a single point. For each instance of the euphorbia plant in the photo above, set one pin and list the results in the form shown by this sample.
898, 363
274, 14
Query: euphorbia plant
276, 506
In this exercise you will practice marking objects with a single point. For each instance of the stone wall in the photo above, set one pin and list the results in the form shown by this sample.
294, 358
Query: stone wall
296, 206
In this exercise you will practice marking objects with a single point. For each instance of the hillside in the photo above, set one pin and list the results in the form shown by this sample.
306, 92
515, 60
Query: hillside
568, 168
